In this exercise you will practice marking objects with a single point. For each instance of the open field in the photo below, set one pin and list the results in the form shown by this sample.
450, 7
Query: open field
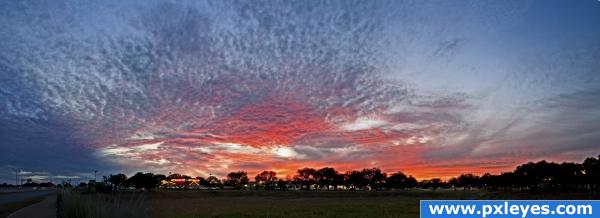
271, 203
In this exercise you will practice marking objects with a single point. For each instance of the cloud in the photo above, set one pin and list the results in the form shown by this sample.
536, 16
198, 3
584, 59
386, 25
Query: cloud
220, 87
148, 147
287, 153
363, 123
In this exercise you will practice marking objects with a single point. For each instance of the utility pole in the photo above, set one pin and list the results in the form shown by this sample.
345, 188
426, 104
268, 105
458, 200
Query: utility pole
95, 171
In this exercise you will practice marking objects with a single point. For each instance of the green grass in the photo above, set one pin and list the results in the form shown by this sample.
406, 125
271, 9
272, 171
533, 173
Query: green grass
188, 204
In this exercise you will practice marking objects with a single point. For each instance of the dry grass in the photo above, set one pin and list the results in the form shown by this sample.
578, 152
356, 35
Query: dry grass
186, 204
76, 205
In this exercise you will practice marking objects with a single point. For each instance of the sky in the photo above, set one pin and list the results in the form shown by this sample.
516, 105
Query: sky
430, 88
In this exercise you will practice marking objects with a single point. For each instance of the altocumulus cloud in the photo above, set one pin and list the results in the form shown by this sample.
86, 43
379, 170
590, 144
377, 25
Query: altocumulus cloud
216, 86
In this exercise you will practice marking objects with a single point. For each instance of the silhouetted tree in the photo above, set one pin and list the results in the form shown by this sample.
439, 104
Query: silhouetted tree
488, 181
202, 181
397, 180
453, 183
82, 185
436, 183
306, 177
237, 179
118, 180
468, 181
356, 180
591, 169
375, 178
411, 182
539, 176
144, 180
326, 177
213, 181
282, 184
507, 181
267, 179
568, 177
536, 176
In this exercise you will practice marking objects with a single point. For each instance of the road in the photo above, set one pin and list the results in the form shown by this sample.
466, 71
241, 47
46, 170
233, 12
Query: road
44, 209
14, 197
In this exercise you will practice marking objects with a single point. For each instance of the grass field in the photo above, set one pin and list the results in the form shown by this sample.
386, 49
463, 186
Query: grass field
270, 203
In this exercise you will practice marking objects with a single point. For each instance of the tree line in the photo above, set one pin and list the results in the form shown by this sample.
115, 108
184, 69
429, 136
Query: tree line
541, 176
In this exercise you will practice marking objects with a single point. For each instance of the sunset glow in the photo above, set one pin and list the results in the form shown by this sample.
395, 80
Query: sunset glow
203, 88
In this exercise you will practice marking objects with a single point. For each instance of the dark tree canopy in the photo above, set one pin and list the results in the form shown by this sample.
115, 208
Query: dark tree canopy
213, 181
237, 179
118, 180
397, 181
146, 181
268, 179
539, 176
305, 177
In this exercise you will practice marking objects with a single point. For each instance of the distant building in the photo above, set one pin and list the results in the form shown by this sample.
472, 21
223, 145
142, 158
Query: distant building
182, 183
